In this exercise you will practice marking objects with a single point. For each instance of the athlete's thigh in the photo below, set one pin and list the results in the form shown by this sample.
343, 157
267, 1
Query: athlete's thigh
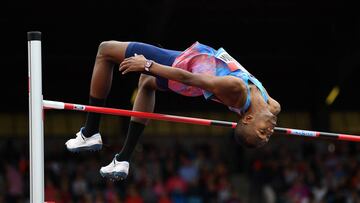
152, 82
157, 54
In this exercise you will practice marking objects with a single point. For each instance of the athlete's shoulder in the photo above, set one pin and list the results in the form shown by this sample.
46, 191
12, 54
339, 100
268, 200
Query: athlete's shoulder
275, 107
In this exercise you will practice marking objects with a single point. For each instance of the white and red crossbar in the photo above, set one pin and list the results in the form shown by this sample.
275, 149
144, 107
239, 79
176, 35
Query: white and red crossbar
181, 119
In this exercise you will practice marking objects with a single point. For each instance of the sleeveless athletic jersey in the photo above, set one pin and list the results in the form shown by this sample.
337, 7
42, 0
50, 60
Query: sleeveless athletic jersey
202, 59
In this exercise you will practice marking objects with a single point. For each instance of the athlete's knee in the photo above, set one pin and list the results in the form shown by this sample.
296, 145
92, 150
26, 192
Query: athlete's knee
105, 47
146, 82
112, 50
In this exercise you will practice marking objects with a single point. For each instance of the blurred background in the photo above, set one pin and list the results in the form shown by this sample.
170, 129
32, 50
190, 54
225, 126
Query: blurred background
306, 53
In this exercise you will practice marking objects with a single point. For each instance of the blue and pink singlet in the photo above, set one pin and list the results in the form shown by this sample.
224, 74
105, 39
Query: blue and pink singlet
200, 59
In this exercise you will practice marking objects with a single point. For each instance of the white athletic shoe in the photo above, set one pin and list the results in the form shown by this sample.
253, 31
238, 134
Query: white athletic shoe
82, 143
116, 170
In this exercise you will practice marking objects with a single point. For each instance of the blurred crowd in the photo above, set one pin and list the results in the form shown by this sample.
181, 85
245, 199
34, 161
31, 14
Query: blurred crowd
300, 171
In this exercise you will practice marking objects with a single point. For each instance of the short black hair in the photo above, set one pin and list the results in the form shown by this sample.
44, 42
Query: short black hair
243, 135
240, 138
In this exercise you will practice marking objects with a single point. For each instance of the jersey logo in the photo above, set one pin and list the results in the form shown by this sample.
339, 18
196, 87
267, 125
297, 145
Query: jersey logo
229, 60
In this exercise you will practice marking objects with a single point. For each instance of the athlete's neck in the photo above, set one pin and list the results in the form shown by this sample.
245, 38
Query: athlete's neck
258, 103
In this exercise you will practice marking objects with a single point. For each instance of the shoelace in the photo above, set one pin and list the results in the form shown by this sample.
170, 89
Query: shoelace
82, 136
115, 159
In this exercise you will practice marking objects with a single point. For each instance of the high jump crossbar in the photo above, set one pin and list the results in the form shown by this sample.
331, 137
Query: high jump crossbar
182, 119
36, 126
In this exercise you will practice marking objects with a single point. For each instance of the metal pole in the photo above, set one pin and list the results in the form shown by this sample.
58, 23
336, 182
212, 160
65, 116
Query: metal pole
36, 138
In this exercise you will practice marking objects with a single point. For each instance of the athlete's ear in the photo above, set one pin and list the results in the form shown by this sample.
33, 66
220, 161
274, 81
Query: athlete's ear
247, 119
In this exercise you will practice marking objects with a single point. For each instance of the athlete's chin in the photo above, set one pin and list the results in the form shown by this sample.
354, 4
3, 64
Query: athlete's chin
262, 143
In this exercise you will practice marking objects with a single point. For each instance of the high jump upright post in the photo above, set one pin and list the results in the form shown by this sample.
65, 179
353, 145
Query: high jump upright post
36, 123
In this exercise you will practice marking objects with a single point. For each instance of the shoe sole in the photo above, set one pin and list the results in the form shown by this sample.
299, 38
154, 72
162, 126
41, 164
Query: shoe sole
114, 175
93, 148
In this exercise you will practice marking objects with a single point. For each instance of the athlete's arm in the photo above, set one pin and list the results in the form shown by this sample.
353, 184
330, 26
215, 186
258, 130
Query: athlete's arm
137, 64
226, 88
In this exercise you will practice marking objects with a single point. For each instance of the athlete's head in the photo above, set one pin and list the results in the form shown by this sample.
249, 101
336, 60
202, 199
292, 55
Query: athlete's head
254, 129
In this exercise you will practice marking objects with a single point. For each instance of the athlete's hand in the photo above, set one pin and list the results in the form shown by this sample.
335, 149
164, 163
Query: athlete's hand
133, 64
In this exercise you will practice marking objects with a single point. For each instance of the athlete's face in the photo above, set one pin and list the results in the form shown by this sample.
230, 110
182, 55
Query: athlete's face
264, 124
255, 130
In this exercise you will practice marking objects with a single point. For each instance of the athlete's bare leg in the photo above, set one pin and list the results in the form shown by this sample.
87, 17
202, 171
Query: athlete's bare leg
110, 53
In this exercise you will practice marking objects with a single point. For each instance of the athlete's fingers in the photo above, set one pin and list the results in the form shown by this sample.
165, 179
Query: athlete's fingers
129, 58
134, 63
123, 66
129, 69
124, 63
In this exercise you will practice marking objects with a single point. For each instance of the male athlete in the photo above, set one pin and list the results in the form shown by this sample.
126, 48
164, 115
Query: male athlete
199, 70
